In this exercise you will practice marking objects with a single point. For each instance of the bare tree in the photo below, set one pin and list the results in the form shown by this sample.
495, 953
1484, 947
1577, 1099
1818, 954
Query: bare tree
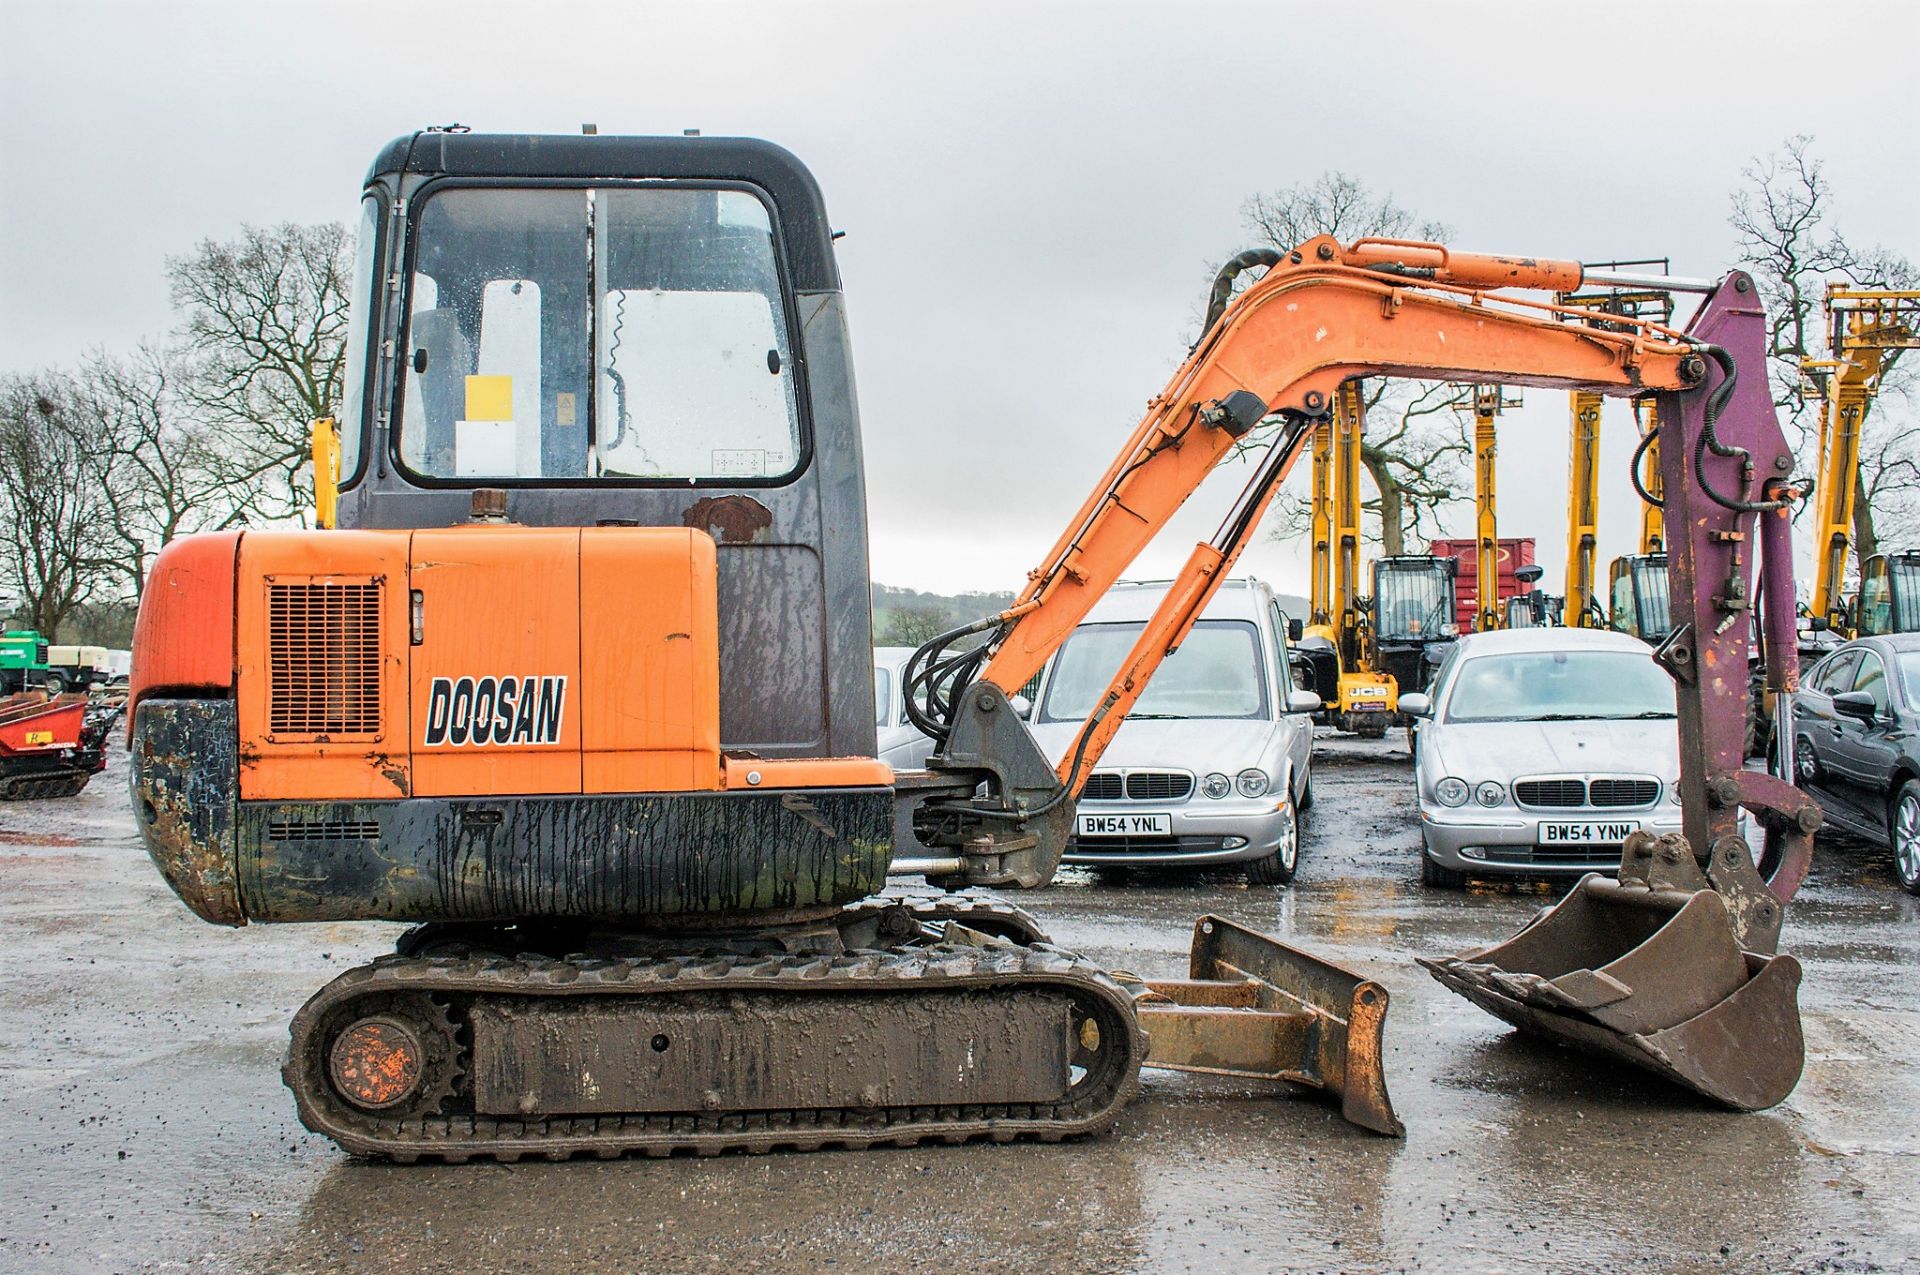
1336, 204
163, 471
915, 625
1783, 217
265, 317
58, 552
1416, 449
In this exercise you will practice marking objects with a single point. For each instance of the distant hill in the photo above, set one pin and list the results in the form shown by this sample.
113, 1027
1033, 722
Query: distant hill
908, 617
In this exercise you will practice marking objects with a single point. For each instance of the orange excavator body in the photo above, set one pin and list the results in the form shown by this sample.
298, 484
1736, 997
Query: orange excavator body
610, 739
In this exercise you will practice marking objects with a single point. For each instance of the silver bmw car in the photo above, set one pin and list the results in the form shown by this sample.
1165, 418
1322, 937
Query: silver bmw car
1539, 750
1214, 764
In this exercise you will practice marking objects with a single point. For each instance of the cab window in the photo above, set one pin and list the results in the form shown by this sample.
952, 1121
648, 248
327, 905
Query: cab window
359, 318
1626, 617
633, 333
1876, 601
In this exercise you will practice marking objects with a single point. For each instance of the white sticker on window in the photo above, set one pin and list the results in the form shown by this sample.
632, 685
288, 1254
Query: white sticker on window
485, 449
739, 462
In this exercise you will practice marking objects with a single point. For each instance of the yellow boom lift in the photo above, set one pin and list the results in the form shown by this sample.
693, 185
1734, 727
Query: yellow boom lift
1340, 641
1487, 404
1864, 326
1637, 583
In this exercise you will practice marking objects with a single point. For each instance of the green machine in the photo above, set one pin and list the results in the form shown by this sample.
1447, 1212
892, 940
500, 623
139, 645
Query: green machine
23, 661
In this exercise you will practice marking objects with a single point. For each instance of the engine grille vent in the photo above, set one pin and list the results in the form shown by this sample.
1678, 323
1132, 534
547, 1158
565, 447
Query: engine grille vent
1101, 787
323, 654
323, 830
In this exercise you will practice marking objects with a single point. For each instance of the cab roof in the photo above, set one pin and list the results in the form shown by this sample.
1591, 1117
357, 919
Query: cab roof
799, 209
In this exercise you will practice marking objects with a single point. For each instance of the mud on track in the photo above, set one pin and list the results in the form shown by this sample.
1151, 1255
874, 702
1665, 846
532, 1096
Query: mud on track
143, 1125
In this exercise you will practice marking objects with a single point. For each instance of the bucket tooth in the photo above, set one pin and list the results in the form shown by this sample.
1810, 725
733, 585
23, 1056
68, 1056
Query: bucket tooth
1254, 1006
1652, 976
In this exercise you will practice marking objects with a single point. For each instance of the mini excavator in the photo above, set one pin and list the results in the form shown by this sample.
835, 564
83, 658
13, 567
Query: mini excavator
580, 685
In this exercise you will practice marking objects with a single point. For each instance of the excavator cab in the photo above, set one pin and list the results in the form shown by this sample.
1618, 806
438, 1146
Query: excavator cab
1413, 617
1637, 585
1533, 609
1889, 598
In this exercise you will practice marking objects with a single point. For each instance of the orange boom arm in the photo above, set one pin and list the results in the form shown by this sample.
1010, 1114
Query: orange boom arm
1320, 316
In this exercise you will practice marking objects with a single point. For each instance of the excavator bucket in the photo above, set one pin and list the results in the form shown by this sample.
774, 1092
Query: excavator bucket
1253, 1006
1674, 967
1653, 976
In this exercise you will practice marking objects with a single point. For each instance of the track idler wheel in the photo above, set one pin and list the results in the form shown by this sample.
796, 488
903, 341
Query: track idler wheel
398, 1058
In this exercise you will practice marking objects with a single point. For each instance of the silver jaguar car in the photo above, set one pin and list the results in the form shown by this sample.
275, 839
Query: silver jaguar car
1539, 750
1213, 766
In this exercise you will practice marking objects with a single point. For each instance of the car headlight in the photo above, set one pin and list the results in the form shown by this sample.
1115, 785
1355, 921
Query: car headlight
1489, 793
1451, 791
1251, 783
1216, 786
1673, 793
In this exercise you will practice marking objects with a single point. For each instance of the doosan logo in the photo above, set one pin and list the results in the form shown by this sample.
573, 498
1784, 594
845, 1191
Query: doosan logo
466, 711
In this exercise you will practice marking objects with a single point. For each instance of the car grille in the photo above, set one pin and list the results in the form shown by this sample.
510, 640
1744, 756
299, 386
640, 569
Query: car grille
1551, 792
1158, 785
1139, 785
1571, 794
1555, 855
1622, 792
1093, 847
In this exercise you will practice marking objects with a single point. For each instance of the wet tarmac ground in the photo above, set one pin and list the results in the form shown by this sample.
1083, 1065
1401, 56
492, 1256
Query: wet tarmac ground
143, 1125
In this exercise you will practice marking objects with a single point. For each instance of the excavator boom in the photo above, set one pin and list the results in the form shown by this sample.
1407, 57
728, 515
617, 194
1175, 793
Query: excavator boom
1695, 963
1321, 316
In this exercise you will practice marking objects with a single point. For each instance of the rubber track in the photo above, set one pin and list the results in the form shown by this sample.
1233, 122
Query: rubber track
1090, 1109
40, 787
986, 911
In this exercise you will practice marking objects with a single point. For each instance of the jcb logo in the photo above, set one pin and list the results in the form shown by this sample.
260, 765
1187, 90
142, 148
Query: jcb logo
472, 712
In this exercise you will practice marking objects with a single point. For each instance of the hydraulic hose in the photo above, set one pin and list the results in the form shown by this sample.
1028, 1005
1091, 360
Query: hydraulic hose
1222, 290
1716, 403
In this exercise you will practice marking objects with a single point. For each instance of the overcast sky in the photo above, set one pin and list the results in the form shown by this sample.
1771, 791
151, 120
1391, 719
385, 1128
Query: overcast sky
1031, 192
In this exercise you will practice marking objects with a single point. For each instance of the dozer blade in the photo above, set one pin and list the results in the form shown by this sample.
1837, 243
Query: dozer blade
1253, 1006
1653, 976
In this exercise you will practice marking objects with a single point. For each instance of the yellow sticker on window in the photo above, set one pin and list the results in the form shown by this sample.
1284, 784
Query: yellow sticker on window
489, 398
563, 409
